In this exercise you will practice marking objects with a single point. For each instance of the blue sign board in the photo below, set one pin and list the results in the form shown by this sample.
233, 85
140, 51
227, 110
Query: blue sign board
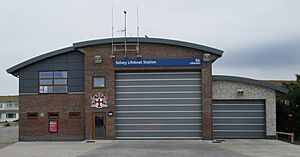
158, 62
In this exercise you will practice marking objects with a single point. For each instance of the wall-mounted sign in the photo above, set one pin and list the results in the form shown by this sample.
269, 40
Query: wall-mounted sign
99, 100
158, 62
53, 126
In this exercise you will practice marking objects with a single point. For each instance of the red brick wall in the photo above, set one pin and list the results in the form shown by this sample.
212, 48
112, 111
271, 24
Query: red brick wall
77, 129
37, 129
207, 102
147, 50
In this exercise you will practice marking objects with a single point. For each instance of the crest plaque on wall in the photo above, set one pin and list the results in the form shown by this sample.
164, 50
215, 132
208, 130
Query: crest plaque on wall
99, 100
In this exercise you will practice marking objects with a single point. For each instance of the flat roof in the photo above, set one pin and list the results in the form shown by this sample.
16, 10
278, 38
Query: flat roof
250, 81
15, 68
9, 98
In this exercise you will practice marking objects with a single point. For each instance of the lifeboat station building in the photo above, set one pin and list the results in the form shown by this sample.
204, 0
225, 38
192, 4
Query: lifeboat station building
139, 88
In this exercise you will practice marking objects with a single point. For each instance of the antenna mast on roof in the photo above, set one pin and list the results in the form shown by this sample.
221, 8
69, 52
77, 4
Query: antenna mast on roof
125, 44
138, 33
125, 47
112, 33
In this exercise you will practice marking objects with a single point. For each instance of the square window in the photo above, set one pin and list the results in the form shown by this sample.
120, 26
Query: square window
9, 105
53, 82
98, 82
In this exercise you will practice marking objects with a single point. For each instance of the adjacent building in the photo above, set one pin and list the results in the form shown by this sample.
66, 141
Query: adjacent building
9, 108
139, 88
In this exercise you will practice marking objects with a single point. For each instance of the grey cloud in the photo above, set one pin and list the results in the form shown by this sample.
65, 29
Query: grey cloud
272, 55
274, 60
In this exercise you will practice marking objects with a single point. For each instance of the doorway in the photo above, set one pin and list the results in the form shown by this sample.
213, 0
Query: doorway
99, 125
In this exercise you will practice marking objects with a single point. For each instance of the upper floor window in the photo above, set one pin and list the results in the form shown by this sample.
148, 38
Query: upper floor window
9, 105
53, 81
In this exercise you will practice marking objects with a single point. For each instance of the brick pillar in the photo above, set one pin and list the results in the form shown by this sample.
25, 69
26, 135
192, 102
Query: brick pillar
106, 70
206, 75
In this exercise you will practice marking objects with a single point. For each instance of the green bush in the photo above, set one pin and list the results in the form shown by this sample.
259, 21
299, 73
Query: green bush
291, 108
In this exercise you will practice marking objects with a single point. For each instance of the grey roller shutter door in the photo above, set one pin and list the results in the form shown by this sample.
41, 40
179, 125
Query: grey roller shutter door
239, 119
158, 105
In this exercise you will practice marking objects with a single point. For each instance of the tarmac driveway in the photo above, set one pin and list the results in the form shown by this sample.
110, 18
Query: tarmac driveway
171, 148
8, 136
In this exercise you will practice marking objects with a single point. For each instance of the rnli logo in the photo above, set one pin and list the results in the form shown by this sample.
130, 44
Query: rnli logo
99, 100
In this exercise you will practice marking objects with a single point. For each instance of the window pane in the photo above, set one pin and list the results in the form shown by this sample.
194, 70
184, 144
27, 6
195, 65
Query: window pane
11, 115
46, 89
41, 89
60, 74
98, 82
46, 74
60, 81
60, 89
9, 105
46, 82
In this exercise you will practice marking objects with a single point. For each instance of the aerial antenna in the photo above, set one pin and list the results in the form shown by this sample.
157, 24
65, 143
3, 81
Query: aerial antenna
125, 14
137, 22
112, 56
138, 32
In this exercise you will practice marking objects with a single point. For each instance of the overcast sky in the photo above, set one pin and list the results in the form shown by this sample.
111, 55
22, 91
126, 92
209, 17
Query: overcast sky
260, 38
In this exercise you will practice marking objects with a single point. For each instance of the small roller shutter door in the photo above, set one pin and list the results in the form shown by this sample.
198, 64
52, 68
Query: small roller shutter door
239, 119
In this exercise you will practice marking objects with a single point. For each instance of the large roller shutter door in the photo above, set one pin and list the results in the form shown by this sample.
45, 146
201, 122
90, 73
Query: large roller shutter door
158, 105
239, 119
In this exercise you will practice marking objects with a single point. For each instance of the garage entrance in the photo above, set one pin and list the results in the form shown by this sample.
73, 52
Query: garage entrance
158, 105
239, 119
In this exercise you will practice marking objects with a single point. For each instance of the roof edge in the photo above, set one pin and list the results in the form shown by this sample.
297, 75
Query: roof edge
150, 40
250, 81
13, 69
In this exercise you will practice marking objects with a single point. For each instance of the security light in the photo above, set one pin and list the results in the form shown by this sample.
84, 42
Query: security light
98, 59
206, 57
240, 92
